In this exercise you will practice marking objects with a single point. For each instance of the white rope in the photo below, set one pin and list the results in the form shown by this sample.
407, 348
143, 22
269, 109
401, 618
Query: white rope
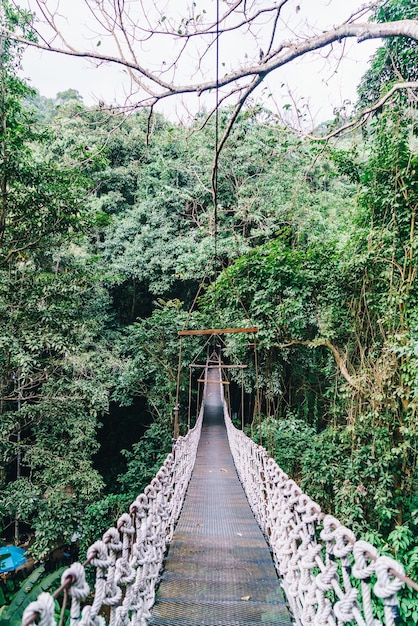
44, 608
325, 572
129, 558
78, 591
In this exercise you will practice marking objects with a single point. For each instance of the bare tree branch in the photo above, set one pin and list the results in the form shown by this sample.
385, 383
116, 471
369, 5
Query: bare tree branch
126, 35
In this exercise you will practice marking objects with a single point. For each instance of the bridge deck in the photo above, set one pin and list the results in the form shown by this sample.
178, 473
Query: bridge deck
218, 571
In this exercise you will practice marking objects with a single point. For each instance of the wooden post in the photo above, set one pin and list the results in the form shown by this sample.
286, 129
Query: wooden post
211, 367
217, 331
176, 422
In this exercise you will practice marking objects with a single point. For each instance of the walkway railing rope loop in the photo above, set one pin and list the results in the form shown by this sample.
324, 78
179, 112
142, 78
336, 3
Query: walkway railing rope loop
330, 578
129, 557
326, 573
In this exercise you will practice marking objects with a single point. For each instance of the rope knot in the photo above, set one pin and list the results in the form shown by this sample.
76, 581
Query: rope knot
140, 507
387, 583
125, 574
343, 609
97, 554
113, 595
163, 475
302, 502
79, 588
312, 512
43, 607
324, 615
365, 556
124, 524
294, 493
151, 491
345, 540
89, 619
112, 538
330, 525
325, 578
308, 560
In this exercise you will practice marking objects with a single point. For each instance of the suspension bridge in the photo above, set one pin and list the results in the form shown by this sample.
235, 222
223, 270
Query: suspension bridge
223, 537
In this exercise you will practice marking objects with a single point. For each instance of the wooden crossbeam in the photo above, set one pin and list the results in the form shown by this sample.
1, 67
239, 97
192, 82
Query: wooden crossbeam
202, 365
207, 380
217, 331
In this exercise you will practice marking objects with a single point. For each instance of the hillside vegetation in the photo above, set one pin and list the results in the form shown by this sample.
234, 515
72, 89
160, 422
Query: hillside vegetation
106, 236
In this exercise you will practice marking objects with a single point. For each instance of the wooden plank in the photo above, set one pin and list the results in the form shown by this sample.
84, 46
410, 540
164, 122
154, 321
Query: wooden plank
207, 380
217, 331
203, 365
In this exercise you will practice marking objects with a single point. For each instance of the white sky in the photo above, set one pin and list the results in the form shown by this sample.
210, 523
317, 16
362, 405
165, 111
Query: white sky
317, 83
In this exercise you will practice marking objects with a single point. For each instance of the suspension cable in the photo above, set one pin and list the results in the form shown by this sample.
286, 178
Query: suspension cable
216, 155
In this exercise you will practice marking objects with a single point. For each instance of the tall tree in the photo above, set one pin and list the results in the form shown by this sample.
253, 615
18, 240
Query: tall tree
53, 309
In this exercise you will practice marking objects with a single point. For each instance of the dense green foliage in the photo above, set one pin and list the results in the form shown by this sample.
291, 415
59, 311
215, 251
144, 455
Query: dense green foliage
393, 62
107, 236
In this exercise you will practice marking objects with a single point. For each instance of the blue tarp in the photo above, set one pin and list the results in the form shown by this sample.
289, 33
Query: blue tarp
11, 558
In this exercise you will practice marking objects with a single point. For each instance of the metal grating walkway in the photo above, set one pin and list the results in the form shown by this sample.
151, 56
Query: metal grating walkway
218, 571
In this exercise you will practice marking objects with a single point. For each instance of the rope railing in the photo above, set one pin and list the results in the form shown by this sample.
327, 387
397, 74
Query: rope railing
329, 577
129, 558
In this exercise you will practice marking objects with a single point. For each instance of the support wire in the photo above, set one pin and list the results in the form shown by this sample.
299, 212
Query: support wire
216, 157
